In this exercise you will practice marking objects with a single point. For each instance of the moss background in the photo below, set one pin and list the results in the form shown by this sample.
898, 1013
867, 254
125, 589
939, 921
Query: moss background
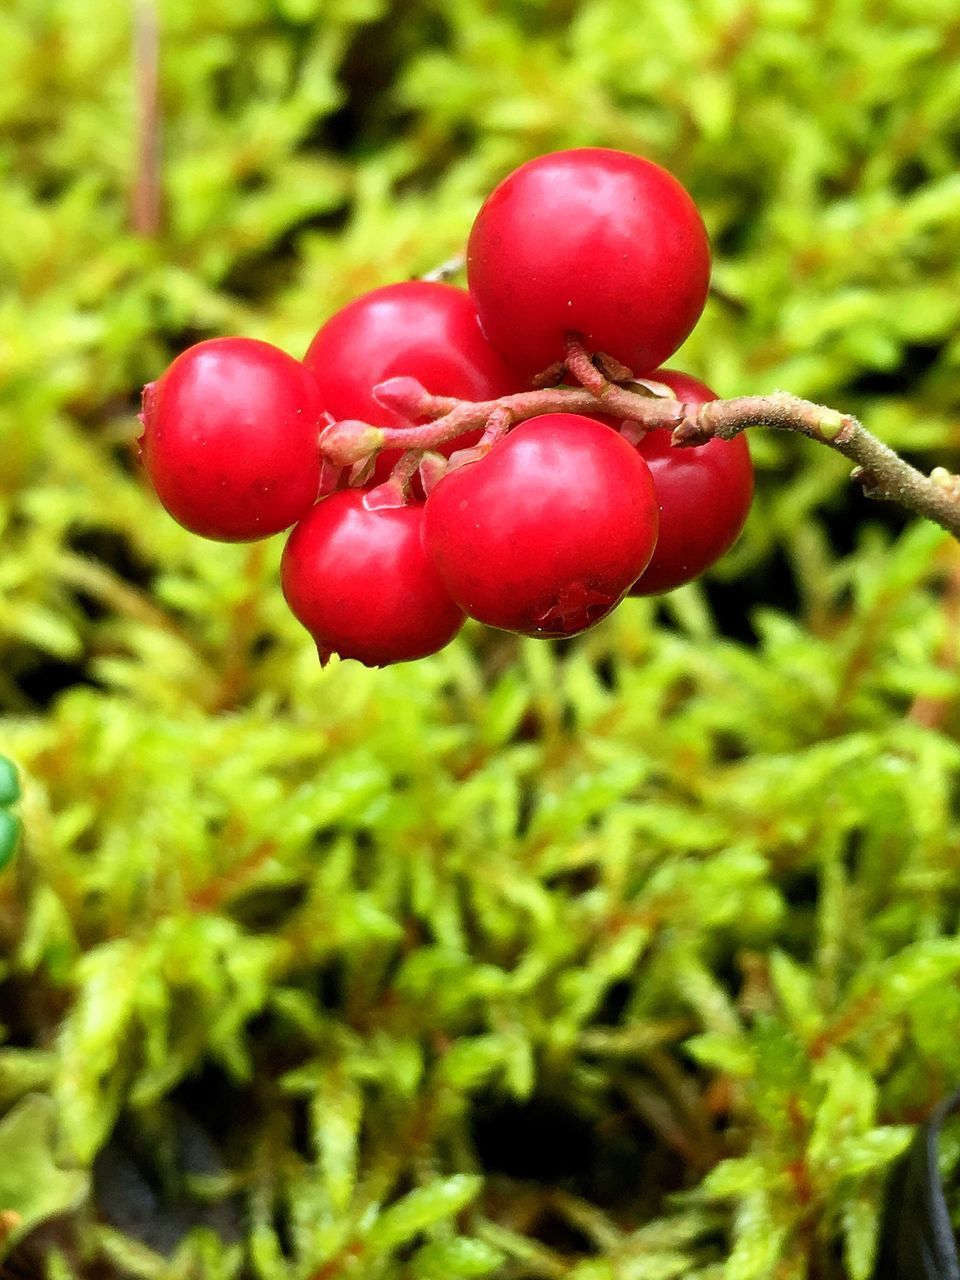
624, 959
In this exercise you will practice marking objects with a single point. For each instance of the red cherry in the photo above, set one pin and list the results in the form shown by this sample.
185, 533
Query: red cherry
359, 580
417, 329
601, 243
704, 494
544, 534
229, 440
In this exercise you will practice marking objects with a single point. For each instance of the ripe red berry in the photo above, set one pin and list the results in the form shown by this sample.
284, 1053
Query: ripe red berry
417, 329
229, 439
546, 533
598, 242
359, 580
704, 494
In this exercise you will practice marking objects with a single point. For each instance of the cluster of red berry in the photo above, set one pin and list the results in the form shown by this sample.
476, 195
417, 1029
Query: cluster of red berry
541, 528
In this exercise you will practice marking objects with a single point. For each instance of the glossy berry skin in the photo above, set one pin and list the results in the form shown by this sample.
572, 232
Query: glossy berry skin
230, 436
546, 533
418, 329
596, 241
360, 581
704, 494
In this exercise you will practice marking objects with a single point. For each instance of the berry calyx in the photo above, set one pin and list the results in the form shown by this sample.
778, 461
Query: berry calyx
230, 439
544, 534
357, 576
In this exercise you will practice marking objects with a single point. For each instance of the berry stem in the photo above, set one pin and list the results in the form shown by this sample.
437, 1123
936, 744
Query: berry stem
881, 472
395, 490
580, 364
405, 468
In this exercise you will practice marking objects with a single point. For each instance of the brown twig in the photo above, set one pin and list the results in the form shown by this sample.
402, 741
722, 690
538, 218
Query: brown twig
882, 473
145, 196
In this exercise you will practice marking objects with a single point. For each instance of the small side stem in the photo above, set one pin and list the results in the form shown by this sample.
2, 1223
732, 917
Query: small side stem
583, 369
405, 468
395, 490
498, 424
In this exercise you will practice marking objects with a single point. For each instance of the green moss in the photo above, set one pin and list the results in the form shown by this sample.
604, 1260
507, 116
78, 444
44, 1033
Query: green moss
628, 958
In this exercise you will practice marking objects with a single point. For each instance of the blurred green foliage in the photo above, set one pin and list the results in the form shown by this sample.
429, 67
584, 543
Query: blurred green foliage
626, 959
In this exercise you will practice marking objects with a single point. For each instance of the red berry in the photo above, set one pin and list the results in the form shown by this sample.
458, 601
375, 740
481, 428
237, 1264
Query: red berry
704, 494
602, 243
229, 439
359, 580
416, 329
546, 533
